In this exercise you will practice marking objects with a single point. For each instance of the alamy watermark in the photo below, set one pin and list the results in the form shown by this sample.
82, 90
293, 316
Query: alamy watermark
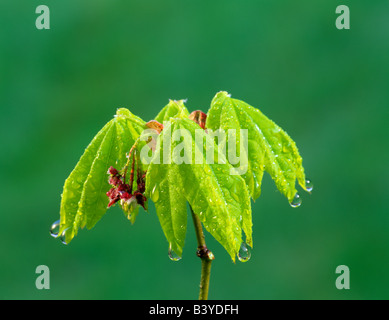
43, 20
43, 280
343, 20
210, 147
343, 280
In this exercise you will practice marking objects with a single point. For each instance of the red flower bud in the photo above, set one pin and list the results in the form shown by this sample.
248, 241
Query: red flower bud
112, 171
199, 117
125, 196
114, 180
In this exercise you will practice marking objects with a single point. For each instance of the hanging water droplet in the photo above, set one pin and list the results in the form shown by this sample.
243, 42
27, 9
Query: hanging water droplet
296, 202
155, 194
244, 253
54, 229
308, 185
63, 236
172, 255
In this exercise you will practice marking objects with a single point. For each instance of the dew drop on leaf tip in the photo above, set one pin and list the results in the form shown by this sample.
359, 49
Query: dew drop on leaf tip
308, 185
172, 255
244, 253
54, 229
63, 236
296, 202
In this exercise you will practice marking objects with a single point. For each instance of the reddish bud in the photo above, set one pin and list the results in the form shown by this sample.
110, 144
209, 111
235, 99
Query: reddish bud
112, 202
155, 125
112, 171
199, 117
114, 180
125, 196
140, 199
123, 187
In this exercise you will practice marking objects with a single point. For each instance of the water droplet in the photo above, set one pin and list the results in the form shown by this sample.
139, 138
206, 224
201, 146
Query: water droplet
54, 229
309, 185
172, 255
63, 236
296, 202
244, 253
155, 194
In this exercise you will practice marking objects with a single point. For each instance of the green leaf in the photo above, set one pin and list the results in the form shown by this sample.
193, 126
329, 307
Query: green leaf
215, 192
174, 109
84, 199
165, 185
74, 185
269, 147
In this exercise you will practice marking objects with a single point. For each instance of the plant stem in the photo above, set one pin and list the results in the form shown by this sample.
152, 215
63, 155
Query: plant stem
205, 255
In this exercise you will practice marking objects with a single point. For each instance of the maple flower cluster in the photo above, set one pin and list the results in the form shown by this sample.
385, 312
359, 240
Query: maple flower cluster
122, 191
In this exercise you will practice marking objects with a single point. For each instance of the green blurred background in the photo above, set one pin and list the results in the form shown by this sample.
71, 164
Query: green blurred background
328, 88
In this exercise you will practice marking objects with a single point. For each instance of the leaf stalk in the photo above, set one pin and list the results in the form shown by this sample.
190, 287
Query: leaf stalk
205, 255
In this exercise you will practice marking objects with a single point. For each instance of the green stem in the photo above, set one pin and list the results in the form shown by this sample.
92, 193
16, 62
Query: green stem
205, 255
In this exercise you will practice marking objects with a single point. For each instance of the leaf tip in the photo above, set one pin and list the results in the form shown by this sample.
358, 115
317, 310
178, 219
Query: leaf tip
123, 112
223, 94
